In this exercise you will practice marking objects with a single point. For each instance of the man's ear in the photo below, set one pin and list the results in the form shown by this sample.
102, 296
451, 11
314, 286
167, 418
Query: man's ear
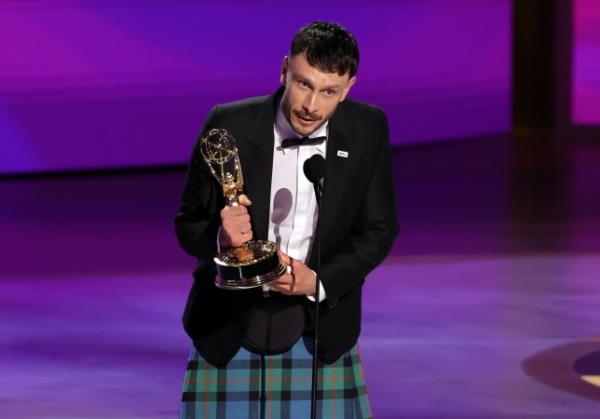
284, 69
347, 88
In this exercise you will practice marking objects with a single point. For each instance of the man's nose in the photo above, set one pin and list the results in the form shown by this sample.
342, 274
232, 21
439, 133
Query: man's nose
310, 103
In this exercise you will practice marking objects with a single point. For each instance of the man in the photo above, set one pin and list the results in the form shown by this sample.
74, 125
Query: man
252, 348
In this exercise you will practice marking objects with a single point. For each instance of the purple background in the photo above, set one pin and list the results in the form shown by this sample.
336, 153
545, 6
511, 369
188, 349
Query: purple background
101, 84
586, 63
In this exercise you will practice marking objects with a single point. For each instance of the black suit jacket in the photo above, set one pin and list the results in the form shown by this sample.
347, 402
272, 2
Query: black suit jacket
358, 222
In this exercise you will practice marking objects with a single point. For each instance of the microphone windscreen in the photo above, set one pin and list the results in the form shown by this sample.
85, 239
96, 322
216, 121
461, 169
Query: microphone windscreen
314, 168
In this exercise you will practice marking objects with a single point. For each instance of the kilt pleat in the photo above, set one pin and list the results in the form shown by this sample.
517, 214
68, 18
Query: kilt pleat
253, 386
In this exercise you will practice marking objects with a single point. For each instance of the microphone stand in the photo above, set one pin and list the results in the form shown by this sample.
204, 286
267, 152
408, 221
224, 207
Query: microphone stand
314, 170
313, 398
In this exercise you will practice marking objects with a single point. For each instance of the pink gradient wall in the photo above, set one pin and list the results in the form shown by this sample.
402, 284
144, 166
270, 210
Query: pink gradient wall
586, 63
103, 84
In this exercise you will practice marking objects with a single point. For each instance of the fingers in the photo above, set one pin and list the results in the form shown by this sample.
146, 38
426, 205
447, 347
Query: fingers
291, 262
237, 214
284, 280
299, 280
285, 284
244, 201
236, 225
283, 258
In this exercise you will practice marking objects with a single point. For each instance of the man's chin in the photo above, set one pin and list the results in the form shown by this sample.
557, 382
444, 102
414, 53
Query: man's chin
307, 129
303, 131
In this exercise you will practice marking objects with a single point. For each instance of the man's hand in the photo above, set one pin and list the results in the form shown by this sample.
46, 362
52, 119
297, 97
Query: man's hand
301, 281
235, 224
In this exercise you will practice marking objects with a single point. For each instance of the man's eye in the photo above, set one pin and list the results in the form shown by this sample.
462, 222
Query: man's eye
329, 92
303, 84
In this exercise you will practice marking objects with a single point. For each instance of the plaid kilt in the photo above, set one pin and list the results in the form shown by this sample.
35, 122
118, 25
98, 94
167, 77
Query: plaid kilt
237, 390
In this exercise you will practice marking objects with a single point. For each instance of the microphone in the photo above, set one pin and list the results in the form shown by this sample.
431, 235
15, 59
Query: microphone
314, 170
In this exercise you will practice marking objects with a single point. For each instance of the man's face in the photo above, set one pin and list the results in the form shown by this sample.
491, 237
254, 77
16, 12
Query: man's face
311, 95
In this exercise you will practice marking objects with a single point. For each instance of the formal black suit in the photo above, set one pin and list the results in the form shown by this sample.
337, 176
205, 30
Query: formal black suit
358, 218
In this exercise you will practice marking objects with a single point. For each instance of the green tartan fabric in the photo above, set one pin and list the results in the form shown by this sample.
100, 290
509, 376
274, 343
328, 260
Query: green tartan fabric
252, 386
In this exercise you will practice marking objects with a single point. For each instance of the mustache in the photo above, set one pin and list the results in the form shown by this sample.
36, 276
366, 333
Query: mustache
303, 115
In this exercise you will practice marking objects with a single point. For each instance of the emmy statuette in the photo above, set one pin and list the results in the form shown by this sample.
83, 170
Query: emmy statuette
255, 262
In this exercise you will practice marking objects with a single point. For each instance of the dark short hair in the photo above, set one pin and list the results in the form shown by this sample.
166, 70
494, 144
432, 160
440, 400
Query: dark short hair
328, 47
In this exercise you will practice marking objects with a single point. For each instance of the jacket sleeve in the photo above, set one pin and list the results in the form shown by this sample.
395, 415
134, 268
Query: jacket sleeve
198, 220
374, 230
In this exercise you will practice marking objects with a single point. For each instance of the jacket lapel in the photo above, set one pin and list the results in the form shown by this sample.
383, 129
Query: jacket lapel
259, 166
336, 171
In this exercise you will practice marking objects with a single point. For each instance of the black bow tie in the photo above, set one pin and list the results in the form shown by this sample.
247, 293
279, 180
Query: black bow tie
293, 142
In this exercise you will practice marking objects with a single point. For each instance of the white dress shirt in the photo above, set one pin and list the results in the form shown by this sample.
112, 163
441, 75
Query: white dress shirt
293, 211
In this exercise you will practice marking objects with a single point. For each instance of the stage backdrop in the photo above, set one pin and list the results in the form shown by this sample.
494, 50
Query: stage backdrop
586, 63
102, 84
